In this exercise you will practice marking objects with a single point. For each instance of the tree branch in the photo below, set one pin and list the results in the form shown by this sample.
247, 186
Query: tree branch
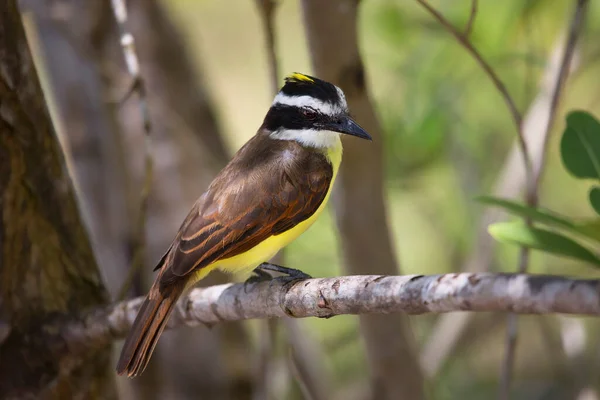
138, 85
358, 294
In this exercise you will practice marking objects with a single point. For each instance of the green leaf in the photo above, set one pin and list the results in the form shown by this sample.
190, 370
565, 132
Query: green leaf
589, 228
580, 145
595, 198
539, 215
541, 239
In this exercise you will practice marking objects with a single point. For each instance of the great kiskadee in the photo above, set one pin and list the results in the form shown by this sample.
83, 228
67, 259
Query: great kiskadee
272, 190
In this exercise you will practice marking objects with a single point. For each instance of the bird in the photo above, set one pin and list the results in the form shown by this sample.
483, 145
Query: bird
272, 190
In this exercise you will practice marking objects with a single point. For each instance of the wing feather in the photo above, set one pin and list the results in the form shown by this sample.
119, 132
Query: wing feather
283, 188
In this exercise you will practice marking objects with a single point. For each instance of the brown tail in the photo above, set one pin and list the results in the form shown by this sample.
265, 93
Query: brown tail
146, 329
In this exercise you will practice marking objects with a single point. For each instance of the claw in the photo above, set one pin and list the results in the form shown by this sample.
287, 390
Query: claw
259, 276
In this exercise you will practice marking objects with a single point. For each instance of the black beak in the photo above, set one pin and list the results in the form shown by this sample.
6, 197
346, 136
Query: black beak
349, 127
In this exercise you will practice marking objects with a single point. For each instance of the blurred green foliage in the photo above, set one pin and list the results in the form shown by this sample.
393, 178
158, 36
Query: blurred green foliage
580, 154
447, 133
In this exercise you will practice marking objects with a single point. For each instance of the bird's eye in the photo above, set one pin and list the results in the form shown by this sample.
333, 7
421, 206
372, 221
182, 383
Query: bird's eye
309, 113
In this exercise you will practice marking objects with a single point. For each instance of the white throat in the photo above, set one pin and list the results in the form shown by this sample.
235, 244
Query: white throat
310, 137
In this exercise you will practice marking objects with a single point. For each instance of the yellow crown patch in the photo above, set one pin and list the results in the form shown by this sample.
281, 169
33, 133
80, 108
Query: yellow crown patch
296, 76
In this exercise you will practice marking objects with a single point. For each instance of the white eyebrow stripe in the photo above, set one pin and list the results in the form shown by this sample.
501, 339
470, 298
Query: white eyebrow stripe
342, 97
306, 101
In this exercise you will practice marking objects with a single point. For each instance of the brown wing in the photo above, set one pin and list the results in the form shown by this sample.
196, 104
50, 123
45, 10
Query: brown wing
283, 185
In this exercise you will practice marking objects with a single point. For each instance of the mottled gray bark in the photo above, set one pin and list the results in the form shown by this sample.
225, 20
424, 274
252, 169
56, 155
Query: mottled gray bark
359, 200
358, 294
47, 269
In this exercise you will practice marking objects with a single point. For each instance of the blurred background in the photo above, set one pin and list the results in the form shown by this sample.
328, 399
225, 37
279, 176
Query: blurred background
446, 137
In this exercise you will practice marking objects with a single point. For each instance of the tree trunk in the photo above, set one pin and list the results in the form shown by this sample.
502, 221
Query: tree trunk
90, 134
47, 269
359, 199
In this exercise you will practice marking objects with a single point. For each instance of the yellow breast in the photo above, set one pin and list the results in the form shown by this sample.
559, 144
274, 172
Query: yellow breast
265, 250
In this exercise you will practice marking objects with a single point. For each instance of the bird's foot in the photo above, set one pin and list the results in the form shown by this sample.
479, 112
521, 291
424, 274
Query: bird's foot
291, 275
290, 272
261, 274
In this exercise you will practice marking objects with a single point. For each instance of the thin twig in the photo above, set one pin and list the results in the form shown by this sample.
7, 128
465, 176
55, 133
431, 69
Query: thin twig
509, 184
306, 357
463, 39
575, 28
138, 85
508, 361
518, 121
531, 181
510, 103
267, 10
266, 358
358, 294
512, 327
471, 21
298, 375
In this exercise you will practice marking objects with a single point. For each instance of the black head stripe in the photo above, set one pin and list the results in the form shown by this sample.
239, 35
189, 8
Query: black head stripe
314, 87
281, 116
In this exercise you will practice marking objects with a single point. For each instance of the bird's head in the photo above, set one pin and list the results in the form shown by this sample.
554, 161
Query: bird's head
312, 112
